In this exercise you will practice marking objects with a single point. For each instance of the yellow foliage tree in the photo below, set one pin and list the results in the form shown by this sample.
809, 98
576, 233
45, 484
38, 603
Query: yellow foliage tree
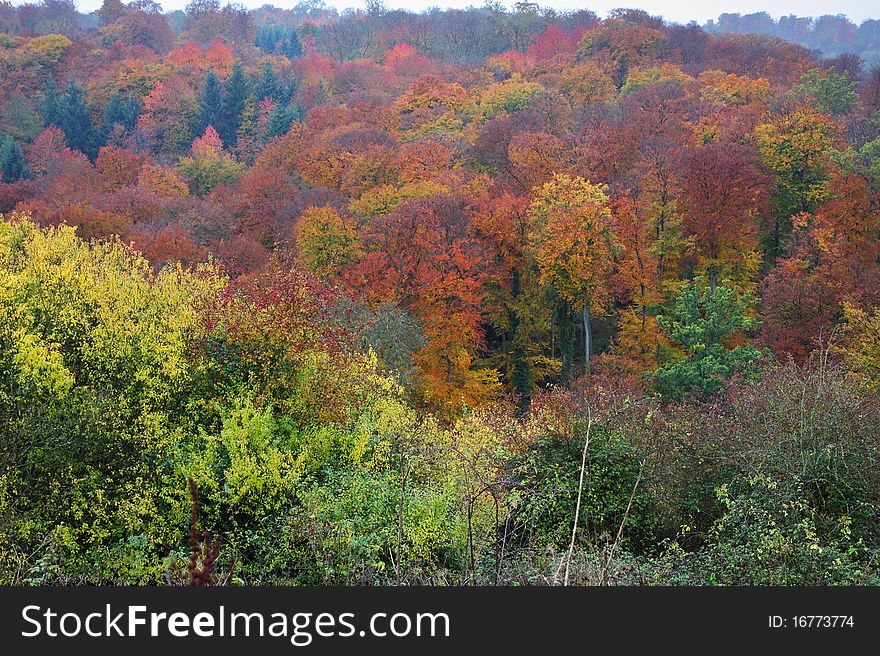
47, 49
94, 364
163, 181
862, 346
512, 95
586, 83
572, 242
325, 240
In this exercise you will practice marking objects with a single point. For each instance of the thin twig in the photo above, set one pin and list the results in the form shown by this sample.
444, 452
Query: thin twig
622, 522
577, 508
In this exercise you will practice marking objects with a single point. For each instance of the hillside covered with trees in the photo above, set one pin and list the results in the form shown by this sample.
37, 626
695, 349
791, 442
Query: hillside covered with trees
459, 297
830, 35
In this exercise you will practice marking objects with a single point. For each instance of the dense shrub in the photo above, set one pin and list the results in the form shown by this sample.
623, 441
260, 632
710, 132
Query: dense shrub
118, 384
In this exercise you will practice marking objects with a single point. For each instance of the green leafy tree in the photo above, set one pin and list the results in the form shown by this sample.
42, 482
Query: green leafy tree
208, 164
771, 534
833, 92
18, 118
796, 148
704, 323
93, 368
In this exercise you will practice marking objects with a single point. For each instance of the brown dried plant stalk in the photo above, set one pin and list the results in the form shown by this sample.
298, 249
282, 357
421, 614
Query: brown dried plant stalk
204, 550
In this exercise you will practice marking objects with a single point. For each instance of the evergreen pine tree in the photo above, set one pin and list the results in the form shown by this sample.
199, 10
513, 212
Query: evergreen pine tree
233, 105
13, 166
75, 122
701, 320
114, 112
267, 85
281, 119
212, 103
291, 46
264, 40
50, 106
289, 90
122, 111
131, 109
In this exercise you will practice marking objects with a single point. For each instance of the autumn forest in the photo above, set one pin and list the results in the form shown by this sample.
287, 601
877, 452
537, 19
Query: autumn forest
492, 296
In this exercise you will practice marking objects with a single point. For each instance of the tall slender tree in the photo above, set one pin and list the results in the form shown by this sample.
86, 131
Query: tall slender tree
50, 106
267, 84
211, 102
572, 242
233, 105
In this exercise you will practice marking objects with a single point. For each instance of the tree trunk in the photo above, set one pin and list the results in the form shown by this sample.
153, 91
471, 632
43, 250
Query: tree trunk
522, 377
403, 473
521, 369
566, 329
588, 342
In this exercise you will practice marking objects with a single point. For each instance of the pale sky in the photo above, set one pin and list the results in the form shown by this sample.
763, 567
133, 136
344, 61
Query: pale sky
680, 11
